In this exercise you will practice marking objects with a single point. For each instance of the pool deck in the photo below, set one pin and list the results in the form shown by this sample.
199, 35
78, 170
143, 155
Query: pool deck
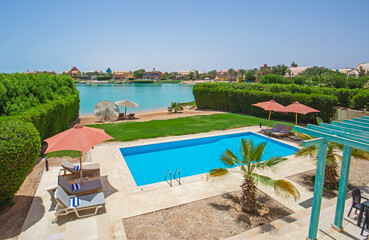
124, 199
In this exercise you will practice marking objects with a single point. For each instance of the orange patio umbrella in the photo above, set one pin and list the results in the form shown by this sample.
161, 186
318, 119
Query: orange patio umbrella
298, 107
270, 106
78, 138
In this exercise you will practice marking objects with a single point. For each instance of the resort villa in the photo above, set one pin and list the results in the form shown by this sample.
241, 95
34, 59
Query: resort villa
153, 75
122, 75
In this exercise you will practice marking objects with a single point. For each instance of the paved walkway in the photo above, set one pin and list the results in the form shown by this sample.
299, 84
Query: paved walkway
124, 199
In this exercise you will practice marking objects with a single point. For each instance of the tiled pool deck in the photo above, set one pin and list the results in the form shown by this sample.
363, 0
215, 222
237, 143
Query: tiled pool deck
125, 199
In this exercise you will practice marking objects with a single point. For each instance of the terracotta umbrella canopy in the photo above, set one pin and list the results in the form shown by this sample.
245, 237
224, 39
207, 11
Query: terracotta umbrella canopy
297, 107
270, 106
78, 138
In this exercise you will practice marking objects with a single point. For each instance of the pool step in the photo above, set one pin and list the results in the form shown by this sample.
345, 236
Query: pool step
174, 177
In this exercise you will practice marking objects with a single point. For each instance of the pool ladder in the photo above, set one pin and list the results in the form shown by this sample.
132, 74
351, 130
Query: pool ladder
174, 177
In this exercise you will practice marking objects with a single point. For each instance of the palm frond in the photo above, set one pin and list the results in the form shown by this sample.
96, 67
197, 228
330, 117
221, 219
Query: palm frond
271, 162
218, 172
228, 158
307, 151
281, 187
257, 151
359, 154
286, 189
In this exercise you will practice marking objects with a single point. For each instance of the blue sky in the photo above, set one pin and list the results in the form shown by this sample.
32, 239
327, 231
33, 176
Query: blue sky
173, 35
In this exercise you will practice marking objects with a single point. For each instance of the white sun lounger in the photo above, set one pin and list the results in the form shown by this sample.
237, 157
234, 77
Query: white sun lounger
86, 168
89, 201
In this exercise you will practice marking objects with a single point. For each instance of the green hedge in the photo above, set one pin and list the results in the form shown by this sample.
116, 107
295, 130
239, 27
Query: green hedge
239, 97
103, 78
20, 145
142, 81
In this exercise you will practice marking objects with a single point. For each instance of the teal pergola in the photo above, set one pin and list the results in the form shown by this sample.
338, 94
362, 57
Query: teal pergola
350, 133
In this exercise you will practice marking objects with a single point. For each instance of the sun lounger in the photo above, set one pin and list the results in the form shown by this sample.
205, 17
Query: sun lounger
131, 115
81, 188
285, 131
86, 202
276, 128
121, 116
86, 168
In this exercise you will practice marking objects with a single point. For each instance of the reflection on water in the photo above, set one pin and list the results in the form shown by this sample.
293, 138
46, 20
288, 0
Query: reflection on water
149, 96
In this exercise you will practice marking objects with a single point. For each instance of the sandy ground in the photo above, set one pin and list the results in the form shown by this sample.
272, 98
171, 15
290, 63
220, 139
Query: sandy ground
358, 177
217, 217
151, 115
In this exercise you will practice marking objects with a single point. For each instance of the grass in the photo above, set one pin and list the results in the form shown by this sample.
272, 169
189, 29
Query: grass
129, 131
63, 153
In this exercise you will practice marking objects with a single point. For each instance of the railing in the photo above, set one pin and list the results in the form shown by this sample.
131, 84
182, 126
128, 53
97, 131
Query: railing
170, 175
179, 176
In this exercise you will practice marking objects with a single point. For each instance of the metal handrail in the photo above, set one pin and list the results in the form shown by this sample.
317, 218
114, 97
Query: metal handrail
179, 176
165, 178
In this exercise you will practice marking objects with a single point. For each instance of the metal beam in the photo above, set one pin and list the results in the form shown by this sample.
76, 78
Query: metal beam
356, 123
318, 190
350, 125
332, 138
345, 129
345, 170
340, 133
313, 142
361, 120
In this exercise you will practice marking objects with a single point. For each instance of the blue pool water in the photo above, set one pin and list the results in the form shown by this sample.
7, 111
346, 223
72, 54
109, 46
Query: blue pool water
149, 163
149, 96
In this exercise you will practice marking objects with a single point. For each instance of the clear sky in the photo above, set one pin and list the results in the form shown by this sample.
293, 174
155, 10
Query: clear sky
173, 35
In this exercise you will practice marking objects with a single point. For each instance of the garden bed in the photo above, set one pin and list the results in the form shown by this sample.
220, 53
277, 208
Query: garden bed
217, 217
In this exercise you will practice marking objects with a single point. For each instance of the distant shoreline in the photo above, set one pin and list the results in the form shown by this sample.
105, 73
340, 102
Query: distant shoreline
114, 82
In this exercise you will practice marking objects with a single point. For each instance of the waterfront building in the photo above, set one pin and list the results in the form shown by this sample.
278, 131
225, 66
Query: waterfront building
122, 75
154, 75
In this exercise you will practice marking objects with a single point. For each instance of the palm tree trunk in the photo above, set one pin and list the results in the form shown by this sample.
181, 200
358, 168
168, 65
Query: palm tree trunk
248, 198
331, 175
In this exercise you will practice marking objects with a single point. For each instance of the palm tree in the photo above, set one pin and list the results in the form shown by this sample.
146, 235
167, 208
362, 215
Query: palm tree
333, 156
251, 162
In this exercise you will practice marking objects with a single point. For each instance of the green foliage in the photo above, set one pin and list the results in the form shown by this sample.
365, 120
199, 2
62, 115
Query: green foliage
63, 153
250, 76
20, 144
169, 81
361, 100
315, 71
279, 70
138, 73
142, 81
176, 107
50, 102
271, 78
293, 64
239, 97
104, 78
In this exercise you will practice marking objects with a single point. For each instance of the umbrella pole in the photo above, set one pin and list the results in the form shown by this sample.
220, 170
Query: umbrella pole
80, 164
270, 112
296, 118
125, 112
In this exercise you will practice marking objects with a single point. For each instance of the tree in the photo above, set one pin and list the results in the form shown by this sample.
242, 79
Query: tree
251, 162
231, 74
362, 72
212, 74
331, 174
279, 69
138, 73
293, 64
250, 76
176, 107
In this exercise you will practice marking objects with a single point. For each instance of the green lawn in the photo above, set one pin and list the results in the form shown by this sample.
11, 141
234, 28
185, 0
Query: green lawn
129, 131
63, 153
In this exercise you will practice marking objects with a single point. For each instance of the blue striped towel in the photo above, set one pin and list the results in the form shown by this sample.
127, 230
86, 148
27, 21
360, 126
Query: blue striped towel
281, 131
76, 187
74, 202
76, 167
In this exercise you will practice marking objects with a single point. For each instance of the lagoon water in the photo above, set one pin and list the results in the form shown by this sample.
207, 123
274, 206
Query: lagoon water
149, 96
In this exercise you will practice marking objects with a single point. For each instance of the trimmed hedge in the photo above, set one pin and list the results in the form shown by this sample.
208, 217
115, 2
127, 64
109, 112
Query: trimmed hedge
50, 102
20, 145
239, 97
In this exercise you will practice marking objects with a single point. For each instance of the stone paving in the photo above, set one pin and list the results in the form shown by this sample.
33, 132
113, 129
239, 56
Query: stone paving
124, 199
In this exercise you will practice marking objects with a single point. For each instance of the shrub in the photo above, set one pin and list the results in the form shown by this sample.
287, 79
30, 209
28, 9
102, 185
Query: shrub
142, 81
361, 100
104, 78
20, 144
271, 78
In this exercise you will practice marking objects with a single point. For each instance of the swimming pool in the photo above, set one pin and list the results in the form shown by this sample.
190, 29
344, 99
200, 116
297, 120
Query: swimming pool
149, 163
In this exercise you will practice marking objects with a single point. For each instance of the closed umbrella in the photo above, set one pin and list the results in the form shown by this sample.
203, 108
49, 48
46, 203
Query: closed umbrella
78, 138
270, 106
298, 107
126, 104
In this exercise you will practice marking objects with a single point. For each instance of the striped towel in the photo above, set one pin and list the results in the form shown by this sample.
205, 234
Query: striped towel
281, 131
76, 187
74, 202
76, 167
